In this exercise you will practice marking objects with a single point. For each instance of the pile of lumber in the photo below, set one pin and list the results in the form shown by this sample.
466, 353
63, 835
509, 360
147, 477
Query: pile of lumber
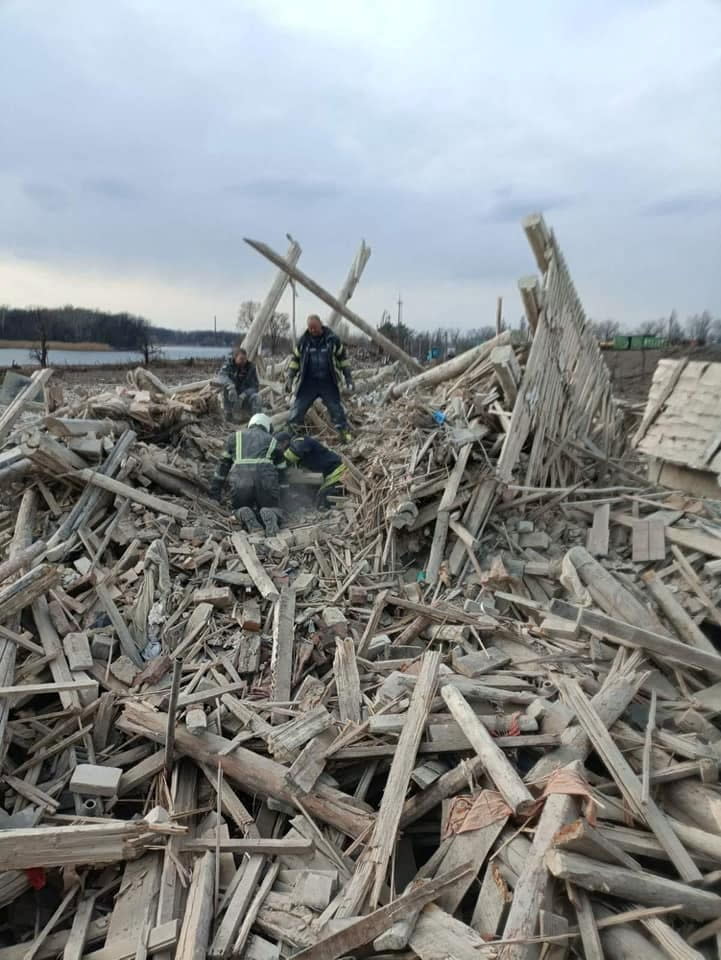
470, 711
148, 406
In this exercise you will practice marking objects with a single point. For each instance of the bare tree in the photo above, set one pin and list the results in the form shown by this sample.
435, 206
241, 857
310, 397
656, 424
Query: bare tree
39, 353
145, 341
277, 330
652, 328
716, 330
699, 326
605, 329
246, 314
674, 331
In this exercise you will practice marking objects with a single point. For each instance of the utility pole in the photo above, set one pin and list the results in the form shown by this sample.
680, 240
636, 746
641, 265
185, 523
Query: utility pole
400, 314
215, 329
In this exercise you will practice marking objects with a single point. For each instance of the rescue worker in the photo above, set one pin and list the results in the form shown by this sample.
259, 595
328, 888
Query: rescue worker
311, 454
239, 379
317, 363
252, 458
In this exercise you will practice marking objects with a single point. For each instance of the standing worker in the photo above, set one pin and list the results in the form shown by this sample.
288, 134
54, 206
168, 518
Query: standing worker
240, 384
252, 458
311, 454
317, 362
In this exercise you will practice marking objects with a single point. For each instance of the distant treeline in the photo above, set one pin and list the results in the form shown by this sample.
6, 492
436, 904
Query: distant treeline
120, 331
163, 336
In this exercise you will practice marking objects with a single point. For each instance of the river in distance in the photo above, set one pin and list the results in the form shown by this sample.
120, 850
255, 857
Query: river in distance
56, 358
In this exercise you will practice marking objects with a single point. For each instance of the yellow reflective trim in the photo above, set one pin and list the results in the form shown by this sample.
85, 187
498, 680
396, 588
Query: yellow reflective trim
334, 476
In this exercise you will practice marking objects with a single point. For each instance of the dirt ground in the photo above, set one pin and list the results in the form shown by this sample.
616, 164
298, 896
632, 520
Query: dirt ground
632, 370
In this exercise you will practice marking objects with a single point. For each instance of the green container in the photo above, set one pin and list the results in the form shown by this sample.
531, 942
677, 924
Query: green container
636, 342
620, 343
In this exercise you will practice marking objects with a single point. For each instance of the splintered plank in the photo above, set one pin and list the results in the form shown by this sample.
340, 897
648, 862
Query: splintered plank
656, 539
499, 769
437, 935
75, 947
649, 541
640, 543
629, 635
132, 493
26, 590
347, 680
36, 689
281, 661
246, 552
370, 873
644, 887
20, 402
198, 916
362, 930
597, 544
249, 874
127, 644
628, 782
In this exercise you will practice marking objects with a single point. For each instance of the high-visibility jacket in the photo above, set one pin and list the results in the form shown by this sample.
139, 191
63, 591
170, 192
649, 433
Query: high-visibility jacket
320, 357
246, 448
313, 455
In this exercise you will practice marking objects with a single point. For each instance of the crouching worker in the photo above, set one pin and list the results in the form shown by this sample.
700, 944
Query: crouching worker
309, 453
252, 458
239, 380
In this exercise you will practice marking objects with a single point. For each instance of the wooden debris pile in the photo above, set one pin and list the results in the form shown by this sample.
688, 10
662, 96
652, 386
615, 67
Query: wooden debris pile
146, 405
472, 711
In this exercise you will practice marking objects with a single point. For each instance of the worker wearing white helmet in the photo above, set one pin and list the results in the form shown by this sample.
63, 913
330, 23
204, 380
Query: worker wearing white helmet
252, 458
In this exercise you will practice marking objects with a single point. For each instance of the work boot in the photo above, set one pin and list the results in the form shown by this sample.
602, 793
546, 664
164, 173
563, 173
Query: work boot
248, 519
269, 517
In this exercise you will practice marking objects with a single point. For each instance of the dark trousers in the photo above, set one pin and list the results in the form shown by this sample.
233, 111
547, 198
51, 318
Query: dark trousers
234, 404
254, 485
311, 390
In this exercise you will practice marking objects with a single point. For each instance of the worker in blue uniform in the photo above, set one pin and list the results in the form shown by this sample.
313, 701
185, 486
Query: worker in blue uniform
311, 454
318, 362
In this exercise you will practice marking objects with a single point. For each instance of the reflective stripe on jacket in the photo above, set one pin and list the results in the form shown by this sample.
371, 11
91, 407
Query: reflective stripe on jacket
339, 362
248, 447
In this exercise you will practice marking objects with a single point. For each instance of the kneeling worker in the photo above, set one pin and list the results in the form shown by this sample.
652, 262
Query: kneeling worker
252, 457
239, 380
310, 453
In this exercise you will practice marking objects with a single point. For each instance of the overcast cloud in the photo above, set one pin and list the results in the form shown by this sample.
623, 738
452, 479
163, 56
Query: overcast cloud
139, 143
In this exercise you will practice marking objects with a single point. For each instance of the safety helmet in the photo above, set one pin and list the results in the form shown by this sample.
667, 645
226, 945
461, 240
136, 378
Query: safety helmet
261, 420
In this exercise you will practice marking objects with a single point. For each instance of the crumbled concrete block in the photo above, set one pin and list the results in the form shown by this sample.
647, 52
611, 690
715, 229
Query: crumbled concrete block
124, 670
102, 647
77, 651
92, 780
537, 541
335, 621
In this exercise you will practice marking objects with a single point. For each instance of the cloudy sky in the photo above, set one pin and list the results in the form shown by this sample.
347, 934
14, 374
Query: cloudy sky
140, 142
